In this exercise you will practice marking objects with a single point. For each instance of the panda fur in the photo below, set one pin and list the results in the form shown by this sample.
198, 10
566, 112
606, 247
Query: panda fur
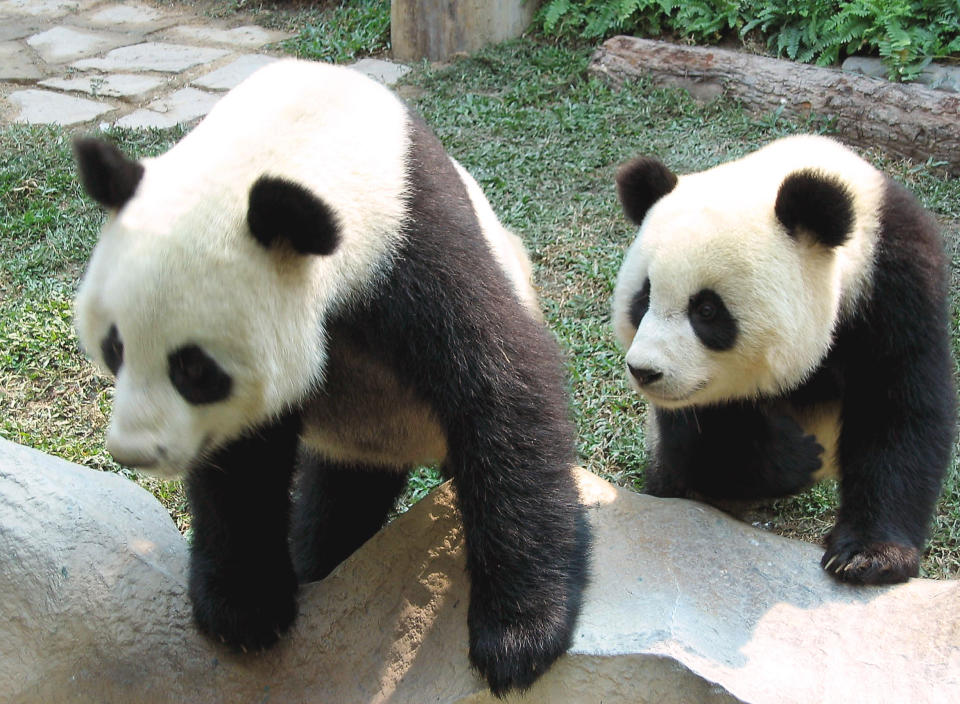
785, 315
308, 279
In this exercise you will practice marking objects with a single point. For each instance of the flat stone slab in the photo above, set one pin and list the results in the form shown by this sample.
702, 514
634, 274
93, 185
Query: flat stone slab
246, 37
231, 75
387, 72
44, 107
130, 16
152, 56
61, 44
16, 64
114, 85
17, 30
684, 605
177, 108
43, 8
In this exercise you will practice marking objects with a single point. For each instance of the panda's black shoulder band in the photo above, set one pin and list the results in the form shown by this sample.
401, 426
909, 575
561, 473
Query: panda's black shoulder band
282, 210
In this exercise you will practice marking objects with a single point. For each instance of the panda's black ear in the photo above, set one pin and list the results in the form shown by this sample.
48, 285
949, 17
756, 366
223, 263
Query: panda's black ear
106, 174
820, 204
641, 183
281, 210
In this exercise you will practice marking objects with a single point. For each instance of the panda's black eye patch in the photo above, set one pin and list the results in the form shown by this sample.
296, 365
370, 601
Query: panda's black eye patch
711, 320
640, 304
112, 350
197, 377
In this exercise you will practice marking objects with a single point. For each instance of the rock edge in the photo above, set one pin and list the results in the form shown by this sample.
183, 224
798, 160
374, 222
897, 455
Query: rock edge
685, 605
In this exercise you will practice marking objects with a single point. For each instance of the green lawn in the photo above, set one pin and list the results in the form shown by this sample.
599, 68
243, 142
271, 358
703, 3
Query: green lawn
544, 141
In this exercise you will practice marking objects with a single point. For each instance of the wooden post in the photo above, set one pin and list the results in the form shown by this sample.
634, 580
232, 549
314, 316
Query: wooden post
438, 29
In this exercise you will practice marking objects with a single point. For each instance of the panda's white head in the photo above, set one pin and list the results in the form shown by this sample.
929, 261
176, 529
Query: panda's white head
739, 274
221, 260
200, 315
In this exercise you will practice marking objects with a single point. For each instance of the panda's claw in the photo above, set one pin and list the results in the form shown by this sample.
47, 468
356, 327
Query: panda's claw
854, 561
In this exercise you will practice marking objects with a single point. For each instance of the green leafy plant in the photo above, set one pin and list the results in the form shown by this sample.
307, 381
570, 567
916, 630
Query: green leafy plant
588, 19
906, 34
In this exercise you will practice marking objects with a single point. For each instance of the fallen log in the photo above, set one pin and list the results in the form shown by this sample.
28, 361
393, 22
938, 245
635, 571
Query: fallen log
902, 119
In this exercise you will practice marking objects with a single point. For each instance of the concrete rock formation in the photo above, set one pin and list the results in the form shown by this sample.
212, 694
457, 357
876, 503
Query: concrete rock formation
686, 605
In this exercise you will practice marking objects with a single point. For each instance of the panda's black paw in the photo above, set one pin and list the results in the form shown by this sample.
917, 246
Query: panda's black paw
246, 616
792, 457
850, 560
511, 656
664, 484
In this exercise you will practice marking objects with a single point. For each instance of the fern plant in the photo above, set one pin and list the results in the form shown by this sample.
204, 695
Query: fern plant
906, 34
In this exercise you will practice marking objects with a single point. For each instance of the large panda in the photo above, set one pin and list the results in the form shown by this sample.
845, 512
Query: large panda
307, 272
785, 315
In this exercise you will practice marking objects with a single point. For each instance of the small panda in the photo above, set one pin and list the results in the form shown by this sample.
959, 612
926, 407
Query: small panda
785, 315
307, 279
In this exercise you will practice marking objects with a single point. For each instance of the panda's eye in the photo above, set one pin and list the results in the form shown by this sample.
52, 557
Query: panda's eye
197, 377
712, 321
706, 311
640, 304
112, 350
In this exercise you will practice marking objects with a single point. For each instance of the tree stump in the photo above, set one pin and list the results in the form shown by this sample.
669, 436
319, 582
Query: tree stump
905, 120
438, 29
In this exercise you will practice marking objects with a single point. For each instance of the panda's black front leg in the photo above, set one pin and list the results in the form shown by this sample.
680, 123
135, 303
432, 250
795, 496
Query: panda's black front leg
736, 450
894, 449
527, 546
672, 440
242, 582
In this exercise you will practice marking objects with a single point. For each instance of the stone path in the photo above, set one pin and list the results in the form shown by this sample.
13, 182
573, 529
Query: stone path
129, 64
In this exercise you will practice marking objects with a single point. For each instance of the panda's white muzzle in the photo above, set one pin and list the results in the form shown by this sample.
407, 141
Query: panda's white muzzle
665, 361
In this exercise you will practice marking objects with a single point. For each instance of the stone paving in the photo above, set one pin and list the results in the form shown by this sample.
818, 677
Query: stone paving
97, 63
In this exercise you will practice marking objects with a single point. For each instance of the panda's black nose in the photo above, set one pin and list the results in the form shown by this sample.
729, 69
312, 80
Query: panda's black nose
643, 375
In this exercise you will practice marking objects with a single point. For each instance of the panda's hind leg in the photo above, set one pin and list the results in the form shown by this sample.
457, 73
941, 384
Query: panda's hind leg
337, 508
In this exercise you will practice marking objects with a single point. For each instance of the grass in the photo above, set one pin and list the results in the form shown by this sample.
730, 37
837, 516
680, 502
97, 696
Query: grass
544, 141
325, 30
51, 397
344, 32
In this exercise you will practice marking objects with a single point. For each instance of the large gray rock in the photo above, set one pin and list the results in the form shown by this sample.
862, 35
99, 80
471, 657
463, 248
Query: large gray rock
685, 605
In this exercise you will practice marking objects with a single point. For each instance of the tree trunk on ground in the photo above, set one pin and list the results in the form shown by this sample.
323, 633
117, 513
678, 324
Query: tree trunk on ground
905, 120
